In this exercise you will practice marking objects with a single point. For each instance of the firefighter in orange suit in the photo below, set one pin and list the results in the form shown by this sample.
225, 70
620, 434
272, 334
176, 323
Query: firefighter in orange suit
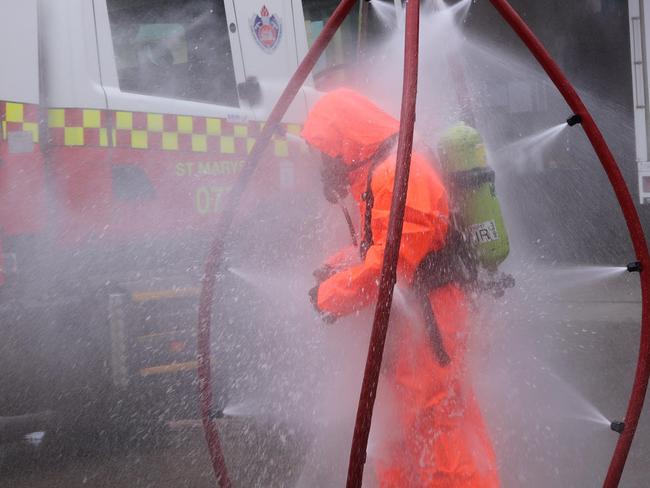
443, 441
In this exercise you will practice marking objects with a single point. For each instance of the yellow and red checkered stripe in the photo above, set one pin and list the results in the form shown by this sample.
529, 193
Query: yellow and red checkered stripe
166, 132
79, 127
19, 117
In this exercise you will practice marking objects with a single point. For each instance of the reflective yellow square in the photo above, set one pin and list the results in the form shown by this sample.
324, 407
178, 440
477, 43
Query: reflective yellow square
92, 119
199, 143
155, 122
139, 139
124, 120
227, 145
241, 131
293, 129
33, 128
103, 137
184, 124
213, 127
14, 112
281, 148
170, 141
56, 117
73, 136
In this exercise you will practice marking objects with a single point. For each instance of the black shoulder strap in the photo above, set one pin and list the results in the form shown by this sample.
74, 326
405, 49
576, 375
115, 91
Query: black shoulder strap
381, 154
369, 198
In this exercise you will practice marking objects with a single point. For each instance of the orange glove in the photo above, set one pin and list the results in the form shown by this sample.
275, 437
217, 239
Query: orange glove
328, 318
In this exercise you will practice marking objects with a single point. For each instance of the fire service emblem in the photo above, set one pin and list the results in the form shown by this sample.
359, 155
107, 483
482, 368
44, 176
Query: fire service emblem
267, 30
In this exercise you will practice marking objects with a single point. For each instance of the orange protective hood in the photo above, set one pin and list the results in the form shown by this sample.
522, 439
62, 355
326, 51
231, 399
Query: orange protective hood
346, 125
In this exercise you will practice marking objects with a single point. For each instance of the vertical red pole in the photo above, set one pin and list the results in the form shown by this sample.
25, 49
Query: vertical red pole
391, 252
213, 260
635, 229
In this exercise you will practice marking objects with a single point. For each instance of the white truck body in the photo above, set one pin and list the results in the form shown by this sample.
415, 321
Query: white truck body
639, 12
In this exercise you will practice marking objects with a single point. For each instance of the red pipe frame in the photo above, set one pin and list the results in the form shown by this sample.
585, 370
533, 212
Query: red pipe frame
211, 267
624, 198
391, 252
388, 275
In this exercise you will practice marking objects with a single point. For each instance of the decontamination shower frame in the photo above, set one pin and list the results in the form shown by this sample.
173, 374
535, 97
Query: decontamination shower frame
388, 272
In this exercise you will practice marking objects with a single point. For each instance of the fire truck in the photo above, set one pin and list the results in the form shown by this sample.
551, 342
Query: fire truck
123, 126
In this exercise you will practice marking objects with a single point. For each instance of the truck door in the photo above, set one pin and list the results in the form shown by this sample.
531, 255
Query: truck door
171, 72
171, 57
22, 202
272, 39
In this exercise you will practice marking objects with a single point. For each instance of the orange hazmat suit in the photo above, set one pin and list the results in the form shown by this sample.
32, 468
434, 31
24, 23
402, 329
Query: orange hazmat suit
443, 441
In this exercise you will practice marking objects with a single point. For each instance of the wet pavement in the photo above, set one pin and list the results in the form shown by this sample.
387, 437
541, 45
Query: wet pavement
589, 334
257, 456
566, 356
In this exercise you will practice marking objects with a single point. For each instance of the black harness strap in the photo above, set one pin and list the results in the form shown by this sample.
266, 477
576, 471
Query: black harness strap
436, 270
368, 196
435, 337
472, 178
348, 219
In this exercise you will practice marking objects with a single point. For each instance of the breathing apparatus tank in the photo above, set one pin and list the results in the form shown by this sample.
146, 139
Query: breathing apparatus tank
474, 200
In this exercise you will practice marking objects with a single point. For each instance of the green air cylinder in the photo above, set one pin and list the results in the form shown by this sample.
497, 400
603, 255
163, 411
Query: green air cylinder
473, 194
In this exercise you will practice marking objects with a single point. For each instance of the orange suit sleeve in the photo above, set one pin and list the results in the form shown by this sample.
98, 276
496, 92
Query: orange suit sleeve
425, 227
354, 287
343, 258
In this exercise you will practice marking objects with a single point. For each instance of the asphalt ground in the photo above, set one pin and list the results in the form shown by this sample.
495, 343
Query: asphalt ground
575, 353
562, 361
257, 456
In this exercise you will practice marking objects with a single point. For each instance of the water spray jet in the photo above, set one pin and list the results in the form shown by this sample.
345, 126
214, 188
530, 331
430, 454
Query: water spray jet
635, 229
533, 144
382, 313
462, 6
386, 11
215, 254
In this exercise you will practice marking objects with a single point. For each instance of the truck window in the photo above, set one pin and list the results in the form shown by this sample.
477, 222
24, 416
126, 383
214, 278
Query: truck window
359, 30
174, 48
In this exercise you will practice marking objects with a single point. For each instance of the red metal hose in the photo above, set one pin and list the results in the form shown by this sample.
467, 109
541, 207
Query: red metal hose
635, 230
391, 252
213, 259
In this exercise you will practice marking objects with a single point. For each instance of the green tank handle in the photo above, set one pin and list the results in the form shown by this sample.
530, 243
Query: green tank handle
461, 148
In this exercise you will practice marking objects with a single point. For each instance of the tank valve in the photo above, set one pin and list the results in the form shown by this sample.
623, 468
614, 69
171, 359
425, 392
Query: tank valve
573, 120
217, 414
617, 426
635, 267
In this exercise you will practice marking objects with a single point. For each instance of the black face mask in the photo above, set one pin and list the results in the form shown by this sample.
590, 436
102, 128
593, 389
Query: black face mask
334, 175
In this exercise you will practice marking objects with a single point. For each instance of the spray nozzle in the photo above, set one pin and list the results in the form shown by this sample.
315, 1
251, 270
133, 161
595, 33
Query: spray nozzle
617, 426
635, 267
216, 414
497, 285
573, 120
